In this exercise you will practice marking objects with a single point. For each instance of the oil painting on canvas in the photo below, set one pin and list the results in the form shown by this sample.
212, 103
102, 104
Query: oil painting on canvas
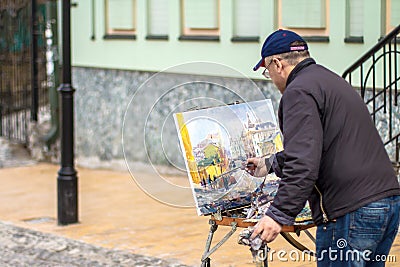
216, 143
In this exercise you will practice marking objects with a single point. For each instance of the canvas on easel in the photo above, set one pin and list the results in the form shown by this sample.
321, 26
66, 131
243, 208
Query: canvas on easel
216, 143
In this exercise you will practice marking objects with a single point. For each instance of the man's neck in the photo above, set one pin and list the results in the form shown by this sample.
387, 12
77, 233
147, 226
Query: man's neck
301, 65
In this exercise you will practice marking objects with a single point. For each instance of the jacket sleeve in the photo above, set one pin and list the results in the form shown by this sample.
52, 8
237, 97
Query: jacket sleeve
275, 164
303, 137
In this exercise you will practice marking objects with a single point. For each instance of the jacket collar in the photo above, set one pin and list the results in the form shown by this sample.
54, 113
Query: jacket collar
303, 64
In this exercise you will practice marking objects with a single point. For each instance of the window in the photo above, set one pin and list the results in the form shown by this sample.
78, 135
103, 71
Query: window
246, 20
200, 19
355, 21
120, 19
306, 17
392, 14
157, 23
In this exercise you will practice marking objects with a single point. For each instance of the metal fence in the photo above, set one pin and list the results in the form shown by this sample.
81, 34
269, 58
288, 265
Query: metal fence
377, 75
23, 86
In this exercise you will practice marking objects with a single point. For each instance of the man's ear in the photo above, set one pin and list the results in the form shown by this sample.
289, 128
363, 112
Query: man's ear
278, 64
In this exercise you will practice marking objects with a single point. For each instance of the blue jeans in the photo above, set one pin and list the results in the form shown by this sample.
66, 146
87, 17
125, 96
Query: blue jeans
360, 238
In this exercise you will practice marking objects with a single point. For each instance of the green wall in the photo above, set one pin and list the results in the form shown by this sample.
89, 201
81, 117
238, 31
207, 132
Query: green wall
156, 55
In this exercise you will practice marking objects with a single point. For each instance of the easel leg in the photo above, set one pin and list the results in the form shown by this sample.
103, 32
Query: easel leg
265, 248
205, 261
261, 256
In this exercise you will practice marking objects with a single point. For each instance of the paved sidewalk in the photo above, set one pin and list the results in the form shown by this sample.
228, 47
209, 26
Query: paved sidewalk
23, 247
115, 214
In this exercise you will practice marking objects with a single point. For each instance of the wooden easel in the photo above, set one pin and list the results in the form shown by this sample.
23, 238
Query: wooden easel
234, 223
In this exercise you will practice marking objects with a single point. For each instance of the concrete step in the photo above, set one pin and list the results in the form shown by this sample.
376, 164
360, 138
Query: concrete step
13, 154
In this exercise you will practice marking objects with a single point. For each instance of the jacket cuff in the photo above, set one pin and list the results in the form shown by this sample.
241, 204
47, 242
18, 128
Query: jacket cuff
279, 216
277, 169
273, 166
269, 164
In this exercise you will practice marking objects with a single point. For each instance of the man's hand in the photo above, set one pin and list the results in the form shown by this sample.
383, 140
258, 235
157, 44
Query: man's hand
267, 228
256, 167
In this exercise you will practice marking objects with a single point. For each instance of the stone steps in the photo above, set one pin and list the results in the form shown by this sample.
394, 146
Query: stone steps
14, 154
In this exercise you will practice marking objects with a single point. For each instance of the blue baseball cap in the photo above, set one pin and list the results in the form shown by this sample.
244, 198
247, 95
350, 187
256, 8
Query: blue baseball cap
280, 42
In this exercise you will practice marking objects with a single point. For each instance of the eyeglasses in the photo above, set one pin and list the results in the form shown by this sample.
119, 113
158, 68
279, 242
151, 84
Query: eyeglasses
265, 73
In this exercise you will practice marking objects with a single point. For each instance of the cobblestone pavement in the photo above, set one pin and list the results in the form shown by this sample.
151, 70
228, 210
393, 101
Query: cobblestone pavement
24, 247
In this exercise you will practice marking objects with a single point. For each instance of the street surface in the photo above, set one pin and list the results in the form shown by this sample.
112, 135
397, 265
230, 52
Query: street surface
119, 224
24, 247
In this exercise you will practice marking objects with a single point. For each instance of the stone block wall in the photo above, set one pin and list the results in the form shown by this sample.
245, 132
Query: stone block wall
128, 115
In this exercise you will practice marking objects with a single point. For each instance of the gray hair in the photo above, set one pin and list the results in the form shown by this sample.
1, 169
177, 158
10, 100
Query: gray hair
293, 57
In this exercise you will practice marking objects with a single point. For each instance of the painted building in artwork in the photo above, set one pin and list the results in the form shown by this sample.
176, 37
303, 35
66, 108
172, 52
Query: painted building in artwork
210, 139
211, 151
258, 137
210, 158
214, 163
237, 148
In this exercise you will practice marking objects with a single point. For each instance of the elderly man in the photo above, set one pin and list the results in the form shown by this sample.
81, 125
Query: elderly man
333, 157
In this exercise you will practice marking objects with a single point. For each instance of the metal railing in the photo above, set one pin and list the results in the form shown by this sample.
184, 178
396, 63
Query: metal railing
376, 75
23, 87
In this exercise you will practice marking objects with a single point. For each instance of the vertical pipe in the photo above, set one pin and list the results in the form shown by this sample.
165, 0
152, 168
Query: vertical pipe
361, 81
67, 181
3, 74
12, 133
390, 91
384, 79
395, 71
28, 85
397, 150
34, 67
93, 37
9, 102
52, 71
373, 88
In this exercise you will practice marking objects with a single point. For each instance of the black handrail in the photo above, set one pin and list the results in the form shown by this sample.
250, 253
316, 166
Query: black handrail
383, 98
384, 41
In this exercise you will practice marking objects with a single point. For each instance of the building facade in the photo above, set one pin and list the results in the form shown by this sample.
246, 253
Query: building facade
136, 62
